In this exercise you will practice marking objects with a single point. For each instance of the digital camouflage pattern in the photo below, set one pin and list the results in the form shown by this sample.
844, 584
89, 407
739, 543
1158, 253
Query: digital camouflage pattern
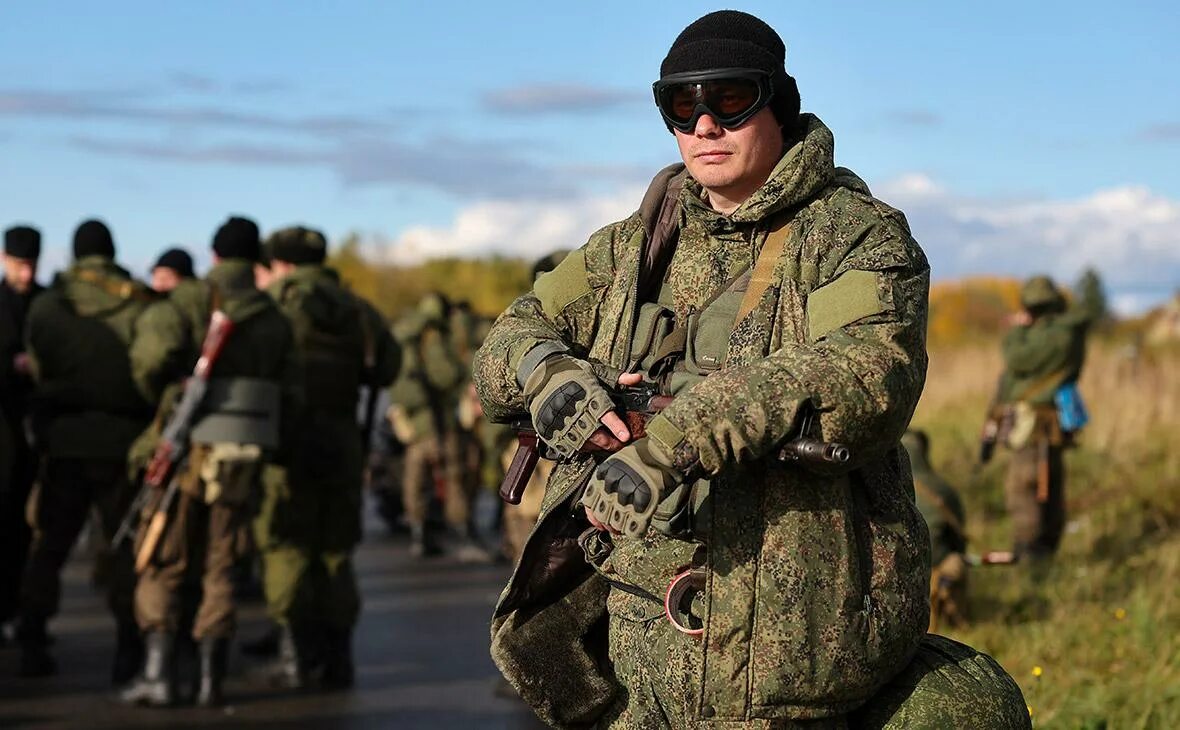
817, 580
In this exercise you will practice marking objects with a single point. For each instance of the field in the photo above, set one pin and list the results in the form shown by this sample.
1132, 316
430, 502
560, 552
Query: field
1094, 638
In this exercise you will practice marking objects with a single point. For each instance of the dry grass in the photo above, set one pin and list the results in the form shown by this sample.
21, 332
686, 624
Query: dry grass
1101, 625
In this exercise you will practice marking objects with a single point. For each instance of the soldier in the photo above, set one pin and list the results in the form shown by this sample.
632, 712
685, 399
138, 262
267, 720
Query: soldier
942, 509
86, 411
344, 344
1037, 409
423, 416
758, 284
22, 249
252, 394
174, 266
463, 446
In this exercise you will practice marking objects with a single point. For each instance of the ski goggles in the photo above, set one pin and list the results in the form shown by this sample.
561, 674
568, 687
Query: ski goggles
729, 95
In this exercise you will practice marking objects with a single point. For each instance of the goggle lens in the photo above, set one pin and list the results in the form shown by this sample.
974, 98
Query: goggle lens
731, 101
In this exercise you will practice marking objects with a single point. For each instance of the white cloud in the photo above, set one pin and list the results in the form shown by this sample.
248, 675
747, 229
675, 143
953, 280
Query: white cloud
1129, 234
528, 229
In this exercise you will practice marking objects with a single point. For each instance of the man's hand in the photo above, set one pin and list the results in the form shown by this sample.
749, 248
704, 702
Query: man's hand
1020, 319
570, 409
625, 490
613, 434
22, 363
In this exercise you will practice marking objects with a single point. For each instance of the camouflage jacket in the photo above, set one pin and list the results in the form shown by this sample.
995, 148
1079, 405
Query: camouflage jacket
1048, 353
428, 386
817, 580
85, 404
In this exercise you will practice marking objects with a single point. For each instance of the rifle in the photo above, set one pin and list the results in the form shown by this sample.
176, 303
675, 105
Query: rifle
638, 404
174, 445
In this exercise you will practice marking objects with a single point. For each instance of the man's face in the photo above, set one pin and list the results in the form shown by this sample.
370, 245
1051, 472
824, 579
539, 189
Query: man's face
164, 279
20, 273
262, 276
732, 163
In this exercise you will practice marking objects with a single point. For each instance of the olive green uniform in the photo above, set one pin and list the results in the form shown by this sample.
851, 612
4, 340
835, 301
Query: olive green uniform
86, 412
313, 512
424, 419
1038, 360
206, 534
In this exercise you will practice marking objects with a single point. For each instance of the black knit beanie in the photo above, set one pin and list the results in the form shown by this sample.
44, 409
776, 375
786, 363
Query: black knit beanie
178, 260
237, 239
23, 242
93, 238
733, 39
298, 245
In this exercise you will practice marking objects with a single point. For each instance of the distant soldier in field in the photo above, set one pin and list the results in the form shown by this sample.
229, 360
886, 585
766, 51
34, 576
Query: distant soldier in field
1038, 409
174, 266
86, 412
942, 509
315, 525
244, 417
22, 249
423, 415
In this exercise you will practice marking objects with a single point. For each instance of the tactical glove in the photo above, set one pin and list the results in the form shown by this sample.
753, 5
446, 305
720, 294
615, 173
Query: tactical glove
627, 488
566, 402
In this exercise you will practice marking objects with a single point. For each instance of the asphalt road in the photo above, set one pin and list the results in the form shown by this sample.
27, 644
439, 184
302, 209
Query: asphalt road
421, 655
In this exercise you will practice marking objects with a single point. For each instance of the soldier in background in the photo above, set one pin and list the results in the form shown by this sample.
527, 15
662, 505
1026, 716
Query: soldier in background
22, 250
255, 374
174, 266
422, 413
463, 445
86, 413
1037, 409
344, 344
942, 509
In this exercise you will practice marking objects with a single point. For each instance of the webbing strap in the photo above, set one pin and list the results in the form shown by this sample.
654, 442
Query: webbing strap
763, 276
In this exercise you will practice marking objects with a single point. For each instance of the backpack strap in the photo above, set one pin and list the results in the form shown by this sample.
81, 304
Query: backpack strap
660, 213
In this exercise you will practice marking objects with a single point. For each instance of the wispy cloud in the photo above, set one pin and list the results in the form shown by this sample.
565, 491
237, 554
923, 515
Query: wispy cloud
458, 167
556, 99
89, 106
199, 84
923, 118
1128, 233
1169, 132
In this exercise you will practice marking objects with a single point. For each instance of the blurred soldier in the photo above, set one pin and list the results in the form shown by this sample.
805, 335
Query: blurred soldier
1038, 408
344, 344
942, 509
174, 266
422, 416
464, 447
253, 389
86, 412
22, 249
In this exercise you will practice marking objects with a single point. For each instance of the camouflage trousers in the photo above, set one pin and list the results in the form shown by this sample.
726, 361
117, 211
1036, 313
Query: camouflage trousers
1036, 525
659, 669
200, 546
58, 510
448, 468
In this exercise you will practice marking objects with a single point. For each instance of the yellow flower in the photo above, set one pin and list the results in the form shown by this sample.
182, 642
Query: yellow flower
1037, 671
1120, 614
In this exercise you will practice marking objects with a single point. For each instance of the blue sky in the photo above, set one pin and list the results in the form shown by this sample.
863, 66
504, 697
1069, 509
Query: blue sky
1017, 136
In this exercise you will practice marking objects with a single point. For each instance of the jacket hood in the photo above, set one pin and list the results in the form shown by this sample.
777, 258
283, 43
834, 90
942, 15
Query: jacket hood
806, 169
97, 286
1039, 292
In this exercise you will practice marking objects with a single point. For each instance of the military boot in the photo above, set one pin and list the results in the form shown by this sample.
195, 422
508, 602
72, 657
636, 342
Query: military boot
214, 654
128, 654
421, 543
339, 672
289, 669
155, 686
35, 659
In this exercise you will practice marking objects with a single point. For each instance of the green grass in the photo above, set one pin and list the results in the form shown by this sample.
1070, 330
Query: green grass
1101, 623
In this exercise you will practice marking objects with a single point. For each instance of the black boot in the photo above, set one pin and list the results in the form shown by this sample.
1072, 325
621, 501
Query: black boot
289, 670
339, 672
421, 544
155, 686
128, 655
214, 654
35, 659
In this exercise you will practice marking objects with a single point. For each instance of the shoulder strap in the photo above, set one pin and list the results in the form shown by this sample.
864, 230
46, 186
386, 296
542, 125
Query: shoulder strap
126, 289
763, 276
660, 213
